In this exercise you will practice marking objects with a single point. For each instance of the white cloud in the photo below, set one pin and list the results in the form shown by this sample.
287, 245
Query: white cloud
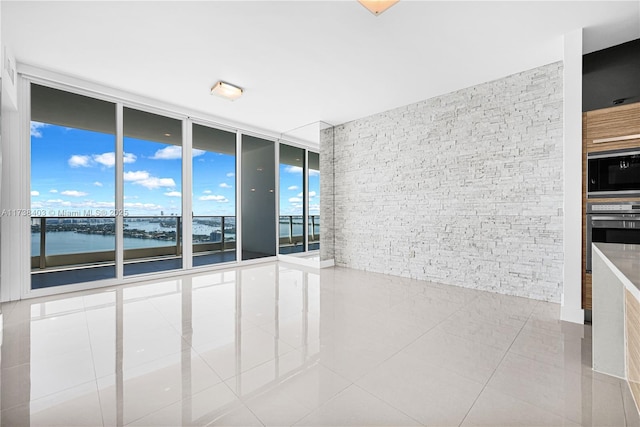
129, 158
311, 194
293, 188
298, 170
35, 193
173, 152
105, 159
215, 198
230, 174
36, 129
225, 185
295, 200
53, 190
135, 175
173, 194
143, 206
293, 169
300, 194
151, 182
109, 159
97, 184
206, 192
74, 193
168, 153
77, 161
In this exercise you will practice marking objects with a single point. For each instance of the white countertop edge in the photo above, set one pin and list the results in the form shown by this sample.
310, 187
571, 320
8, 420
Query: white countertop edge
624, 279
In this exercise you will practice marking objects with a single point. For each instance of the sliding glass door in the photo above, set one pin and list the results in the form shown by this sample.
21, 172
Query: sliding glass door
73, 140
313, 195
292, 190
87, 152
258, 198
214, 195
152, 233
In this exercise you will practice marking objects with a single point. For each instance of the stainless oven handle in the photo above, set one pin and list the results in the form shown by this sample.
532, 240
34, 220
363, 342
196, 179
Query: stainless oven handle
608, 155
612, 218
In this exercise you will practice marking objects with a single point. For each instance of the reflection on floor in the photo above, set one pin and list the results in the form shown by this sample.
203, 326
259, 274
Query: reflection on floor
214, 258
271, 344
66, 277
47, 279
290, 249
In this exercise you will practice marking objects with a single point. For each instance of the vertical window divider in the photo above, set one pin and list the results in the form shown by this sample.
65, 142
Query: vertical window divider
305, 198
276, 167
187, 193
119, 196
238, 196
18, 273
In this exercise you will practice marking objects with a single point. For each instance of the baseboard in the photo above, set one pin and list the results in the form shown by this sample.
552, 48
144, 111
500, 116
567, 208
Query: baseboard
573, 315
327, 263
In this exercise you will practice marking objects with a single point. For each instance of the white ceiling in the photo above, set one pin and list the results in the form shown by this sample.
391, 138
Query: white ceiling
302, 62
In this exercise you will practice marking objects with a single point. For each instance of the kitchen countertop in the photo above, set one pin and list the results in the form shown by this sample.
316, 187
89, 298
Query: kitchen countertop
624, 260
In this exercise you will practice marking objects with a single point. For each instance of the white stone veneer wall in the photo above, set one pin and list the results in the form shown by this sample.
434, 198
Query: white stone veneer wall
463, 189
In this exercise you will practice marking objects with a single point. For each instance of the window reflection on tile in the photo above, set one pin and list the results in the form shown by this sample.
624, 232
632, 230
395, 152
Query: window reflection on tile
134, 353
279, 344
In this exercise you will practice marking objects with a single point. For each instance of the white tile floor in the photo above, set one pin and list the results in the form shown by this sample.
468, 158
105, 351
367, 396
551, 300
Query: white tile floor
281, 345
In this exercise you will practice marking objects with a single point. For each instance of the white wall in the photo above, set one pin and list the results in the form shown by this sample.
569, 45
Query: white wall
572, 205
464, 189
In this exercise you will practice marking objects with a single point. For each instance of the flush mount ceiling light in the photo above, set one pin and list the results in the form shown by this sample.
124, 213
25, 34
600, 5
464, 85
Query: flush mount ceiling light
377, 6
226, 90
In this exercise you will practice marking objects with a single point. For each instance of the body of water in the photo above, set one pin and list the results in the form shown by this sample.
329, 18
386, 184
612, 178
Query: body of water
70, 242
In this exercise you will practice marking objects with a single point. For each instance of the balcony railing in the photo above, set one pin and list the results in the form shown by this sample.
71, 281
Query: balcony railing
292, 227
145, 238
143, 241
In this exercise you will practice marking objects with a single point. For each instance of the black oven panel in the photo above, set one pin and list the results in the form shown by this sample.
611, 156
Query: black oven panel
614, 174
612, 223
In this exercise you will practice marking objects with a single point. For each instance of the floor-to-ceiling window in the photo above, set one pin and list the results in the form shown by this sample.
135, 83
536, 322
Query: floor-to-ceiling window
313, 197
73, 140
214, 195
292, 189
258, 198
152, 233
107, 184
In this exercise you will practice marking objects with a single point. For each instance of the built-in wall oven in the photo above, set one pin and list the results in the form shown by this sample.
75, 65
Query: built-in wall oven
612, 223
614, 173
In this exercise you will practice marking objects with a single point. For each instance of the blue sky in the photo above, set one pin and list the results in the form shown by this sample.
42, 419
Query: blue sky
73, 170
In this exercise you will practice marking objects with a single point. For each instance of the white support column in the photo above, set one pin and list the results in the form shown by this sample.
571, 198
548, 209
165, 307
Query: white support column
15, 193
572, 158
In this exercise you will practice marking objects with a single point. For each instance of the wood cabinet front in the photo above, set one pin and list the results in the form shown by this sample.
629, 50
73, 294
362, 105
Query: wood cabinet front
613, 128
608, 129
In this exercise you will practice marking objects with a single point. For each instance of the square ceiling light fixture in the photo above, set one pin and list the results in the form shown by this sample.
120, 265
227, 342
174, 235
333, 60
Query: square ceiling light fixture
226, 90
378, 6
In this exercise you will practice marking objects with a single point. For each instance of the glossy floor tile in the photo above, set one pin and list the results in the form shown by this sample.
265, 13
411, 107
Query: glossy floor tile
277, 344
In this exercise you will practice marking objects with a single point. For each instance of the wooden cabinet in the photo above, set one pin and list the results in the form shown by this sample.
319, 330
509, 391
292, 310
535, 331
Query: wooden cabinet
613, 128
608, 129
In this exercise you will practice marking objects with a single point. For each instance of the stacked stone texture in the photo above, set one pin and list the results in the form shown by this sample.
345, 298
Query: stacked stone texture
463, 189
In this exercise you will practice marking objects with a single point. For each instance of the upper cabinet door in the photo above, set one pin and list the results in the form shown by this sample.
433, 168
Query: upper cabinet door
613, 128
